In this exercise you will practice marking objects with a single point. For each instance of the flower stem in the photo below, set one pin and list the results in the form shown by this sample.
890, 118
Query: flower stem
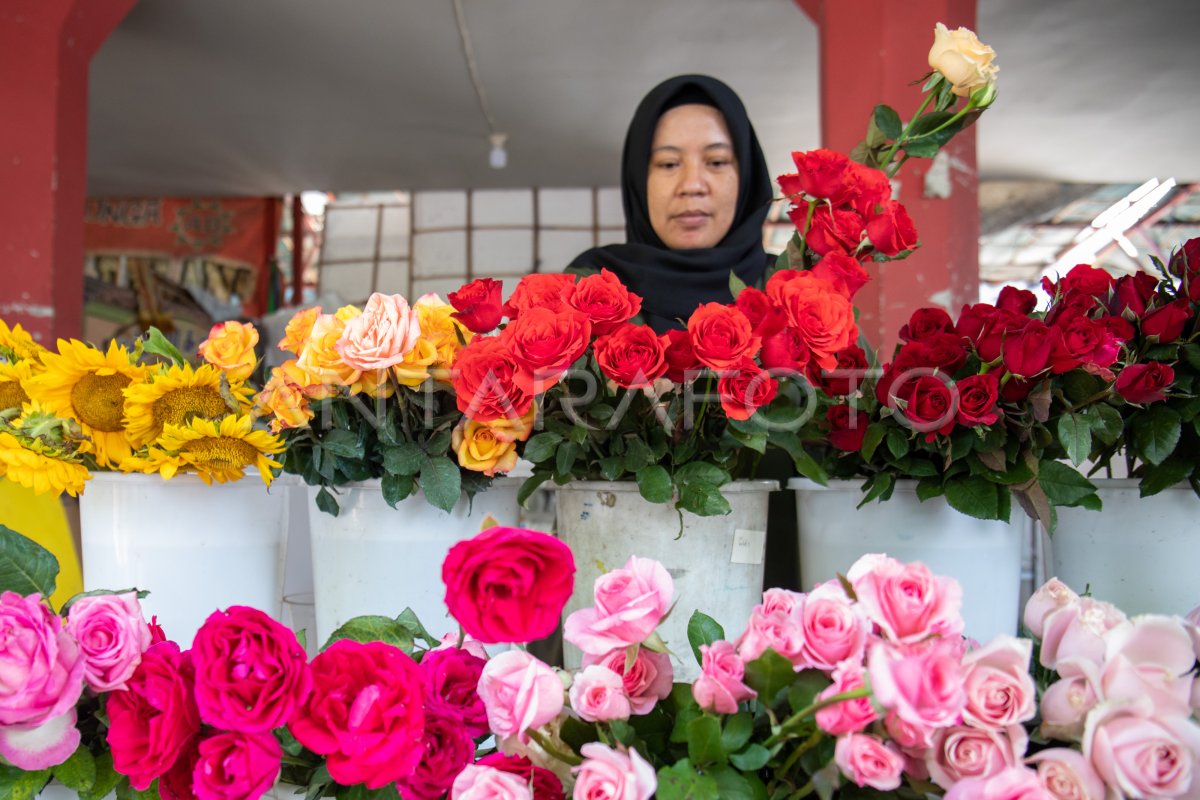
548, 746
807, 745
904, 133
808, 711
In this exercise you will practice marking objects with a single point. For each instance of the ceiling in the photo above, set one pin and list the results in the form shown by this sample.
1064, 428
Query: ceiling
195, 97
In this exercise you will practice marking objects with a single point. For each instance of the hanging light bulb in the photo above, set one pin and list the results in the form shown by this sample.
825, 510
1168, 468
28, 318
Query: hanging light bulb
498, 158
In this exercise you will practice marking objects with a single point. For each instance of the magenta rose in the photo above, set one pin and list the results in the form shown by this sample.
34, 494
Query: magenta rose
42, 678
155, 719
365, 714
546, 785
236, 766
721, 685
630, 602
251, 672
508, 584
1145, 383
477, 782
177, 783
520, 693
451, 676
608, 774
648, 679
598, 695
112, 635
449, 747
867, 761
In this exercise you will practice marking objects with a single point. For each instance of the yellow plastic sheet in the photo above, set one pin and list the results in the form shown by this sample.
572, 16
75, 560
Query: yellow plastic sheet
41, 517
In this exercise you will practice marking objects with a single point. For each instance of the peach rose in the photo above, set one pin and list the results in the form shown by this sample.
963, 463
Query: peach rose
230, 347
480, 449
962, 59
382, 335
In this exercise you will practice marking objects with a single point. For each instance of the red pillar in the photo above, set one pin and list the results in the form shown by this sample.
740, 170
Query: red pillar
871, 50
45, 49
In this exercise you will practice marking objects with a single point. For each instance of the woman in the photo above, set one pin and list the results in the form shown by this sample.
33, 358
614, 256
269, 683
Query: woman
696, 192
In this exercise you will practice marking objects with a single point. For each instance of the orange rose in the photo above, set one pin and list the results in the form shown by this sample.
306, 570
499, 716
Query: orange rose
295, 335
605, 301
479, 448
632, 356
544, 344
230, 347
821, 315
284, 402
485, 385
539, 291
721, 336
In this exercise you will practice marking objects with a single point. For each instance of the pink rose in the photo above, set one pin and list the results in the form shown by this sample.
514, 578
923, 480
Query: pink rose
598, 695
42, 678
1077, 630
721, 684
236, 766
365, 714
251, 672
449, 747
1066, 702
923, 684
1051, 596
647, 680
1016, 783
1000, 690
848, 716
608, 774
867, 761
155, 719
470, 644
451, 677
962, 751
775, 624
630, 602
1152, 657
382, 335
910, 736
112, 636
1139, 755
907, 601
519, 693
1067, 775
834, 629
546, 785
488, 783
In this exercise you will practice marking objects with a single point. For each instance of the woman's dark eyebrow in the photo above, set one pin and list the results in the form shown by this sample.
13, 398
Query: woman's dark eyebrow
673, 148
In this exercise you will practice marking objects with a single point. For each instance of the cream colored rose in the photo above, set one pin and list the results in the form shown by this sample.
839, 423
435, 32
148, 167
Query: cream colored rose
382, 335
230, 348
962, 59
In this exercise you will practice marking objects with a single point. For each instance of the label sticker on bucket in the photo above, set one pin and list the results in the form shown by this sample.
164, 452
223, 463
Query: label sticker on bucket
748, 546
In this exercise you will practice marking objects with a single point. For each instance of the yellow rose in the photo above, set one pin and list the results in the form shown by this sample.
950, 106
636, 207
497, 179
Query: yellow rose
479, 448
442, 329
319, 356
414, 369
284, 402
962, 59
514, 430
312, 387
230, 348
298, 328
375, 383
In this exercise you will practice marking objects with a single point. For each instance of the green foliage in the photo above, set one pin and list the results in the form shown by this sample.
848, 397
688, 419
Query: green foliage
25, 566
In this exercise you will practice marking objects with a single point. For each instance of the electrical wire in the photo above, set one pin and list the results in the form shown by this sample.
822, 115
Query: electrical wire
472, 68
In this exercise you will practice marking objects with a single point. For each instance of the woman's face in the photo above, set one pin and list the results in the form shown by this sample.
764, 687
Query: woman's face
692, 188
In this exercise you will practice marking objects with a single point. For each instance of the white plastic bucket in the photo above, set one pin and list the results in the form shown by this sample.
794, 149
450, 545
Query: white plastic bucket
196, 548
1139, 553
983, 555
716, 564
375, 559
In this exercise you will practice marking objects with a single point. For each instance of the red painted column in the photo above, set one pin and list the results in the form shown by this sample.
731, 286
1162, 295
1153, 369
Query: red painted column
871, 50
45, 49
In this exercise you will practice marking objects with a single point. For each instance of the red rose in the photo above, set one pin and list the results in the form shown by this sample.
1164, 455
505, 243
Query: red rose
448, 748
874, 189
478, 304
1027, 352
833, 231
544, 344
1015, 389
1019, 301
365, 715
945, 351
1185, 265
925, 322
546, 785
1073, 304
721, 336
847, 427
1082, 279
1082, 341
1145, 383
1132, 293
765, 318
682, 364
605, 301
251, 672
485, 384
823, 174
632, 356
785, 350
155, 719
233, 766
891, 231
451, 675
539, 290
977, 399
745, 389
508, 584
929, 406
846, 377
1165, 324
986, 327
843, 271
823, 317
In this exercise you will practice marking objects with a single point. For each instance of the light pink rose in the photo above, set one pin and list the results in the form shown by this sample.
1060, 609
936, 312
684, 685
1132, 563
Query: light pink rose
1066, 702
112, 635
833, 628
470, 644
910, 736
519, 693
963, 751
780, 631
922, 683
1193, 616
608, 774
848, 716
908, 602
1152, 656
721, 685
598, 695
1051, 596
647, 680
1140, 755
630, 602
42, 678
488, 783
382, 335
867, 761
784, 600
1000, 690
1067, 775
1077, 630
1015, 783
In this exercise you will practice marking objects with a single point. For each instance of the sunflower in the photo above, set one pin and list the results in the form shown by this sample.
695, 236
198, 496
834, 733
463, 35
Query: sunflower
214, 450
12, 383
85, 384
17, 345
41, 452
173, 395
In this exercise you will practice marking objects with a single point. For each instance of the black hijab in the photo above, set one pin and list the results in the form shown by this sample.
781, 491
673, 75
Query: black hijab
672, 283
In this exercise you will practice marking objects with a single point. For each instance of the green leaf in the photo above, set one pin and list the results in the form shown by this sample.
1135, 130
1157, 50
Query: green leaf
73, 599
342, 443
922, 148
564, 459
809, 683
703, 629
881, 486
125, 791
805, 464
106, 781
442, 483
874, 435
1063, 485
703, 500
531, 485
409, 620
1165, 475
888, 121
654, 484
736, 284
897, 443
704, 741
737, 731
683, 782
1076, 436
541, 446
731, 785
752, 759
1106, 422
700, 471
17, 784
396, 488
637, 454
974, 496
1156, 431
374, 628
287, 742
928, 488
406, 458
1191, 354
25, 566
78, 772
612, 467
769, 674
160, 345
